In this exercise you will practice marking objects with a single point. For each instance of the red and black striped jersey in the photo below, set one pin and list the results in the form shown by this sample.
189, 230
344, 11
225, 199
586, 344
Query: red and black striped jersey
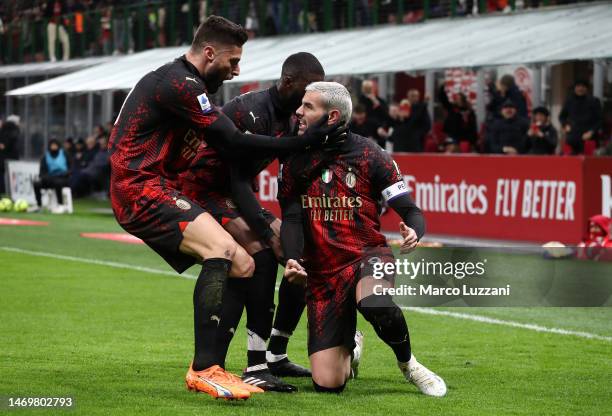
258, 112
339, 194
158, 131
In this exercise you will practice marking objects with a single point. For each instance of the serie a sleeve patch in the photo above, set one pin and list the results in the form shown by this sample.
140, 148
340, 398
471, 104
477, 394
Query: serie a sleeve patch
205, 104
395, 190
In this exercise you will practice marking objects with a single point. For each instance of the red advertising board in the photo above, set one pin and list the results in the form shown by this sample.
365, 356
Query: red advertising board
521, 198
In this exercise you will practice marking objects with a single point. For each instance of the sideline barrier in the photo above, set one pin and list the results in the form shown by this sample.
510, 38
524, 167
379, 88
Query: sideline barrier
522, 198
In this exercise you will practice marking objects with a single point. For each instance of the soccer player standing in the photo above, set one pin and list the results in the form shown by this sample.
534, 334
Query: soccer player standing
227, 194
330, 207
164, 120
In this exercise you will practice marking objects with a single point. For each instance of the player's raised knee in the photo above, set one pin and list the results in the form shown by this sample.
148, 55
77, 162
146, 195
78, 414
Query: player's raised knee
243, 265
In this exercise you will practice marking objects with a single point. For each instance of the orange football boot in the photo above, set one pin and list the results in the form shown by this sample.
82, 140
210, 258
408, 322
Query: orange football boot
218, 383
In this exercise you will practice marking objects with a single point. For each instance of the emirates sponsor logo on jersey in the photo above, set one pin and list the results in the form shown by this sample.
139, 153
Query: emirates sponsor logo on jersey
331, 208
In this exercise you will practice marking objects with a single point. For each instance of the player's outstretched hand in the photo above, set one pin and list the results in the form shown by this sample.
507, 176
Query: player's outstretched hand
295, 273
410, 239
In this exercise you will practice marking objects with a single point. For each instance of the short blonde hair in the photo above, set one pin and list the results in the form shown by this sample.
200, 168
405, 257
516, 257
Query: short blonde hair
335, 96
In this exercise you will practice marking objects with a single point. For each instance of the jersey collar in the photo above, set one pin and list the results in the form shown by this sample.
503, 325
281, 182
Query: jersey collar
191, 68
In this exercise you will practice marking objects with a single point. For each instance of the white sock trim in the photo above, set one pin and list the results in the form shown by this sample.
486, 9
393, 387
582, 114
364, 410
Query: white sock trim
257, 367
277, 333
255, 342
272, 358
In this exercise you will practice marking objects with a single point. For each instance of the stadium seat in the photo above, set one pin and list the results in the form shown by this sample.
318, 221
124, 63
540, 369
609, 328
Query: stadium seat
465, 147
49, 201
589, 147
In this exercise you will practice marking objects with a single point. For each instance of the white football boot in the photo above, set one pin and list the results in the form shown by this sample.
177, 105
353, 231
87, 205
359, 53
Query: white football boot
426, 380
357, 354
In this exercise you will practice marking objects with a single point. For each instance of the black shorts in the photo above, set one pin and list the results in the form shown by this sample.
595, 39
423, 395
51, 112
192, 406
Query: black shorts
223, 209
160, 222
331, 303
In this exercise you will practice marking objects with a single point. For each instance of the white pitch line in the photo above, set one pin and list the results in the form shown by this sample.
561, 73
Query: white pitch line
426, 311
487, 320
98, 262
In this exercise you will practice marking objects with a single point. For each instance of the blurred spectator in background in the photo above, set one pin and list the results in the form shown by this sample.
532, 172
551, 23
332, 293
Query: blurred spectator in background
542, 136
361, 125
54, 172
57, 25
413, 125
460, 122
96, 175
122, 28
508, 134
106, 38
79, 29
386, 130
69, 149
598, 244
581, 117
450, 145
505, 89
91, 148
9, 139
375, 107
78, 156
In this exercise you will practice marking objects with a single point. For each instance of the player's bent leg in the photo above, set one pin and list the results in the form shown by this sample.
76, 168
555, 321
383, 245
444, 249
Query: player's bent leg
389, 323
259, 302
204, 238
217, 251
330, 369
291, 304
244, 236
243, 264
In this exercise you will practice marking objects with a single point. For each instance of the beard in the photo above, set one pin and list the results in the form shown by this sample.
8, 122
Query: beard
213, 80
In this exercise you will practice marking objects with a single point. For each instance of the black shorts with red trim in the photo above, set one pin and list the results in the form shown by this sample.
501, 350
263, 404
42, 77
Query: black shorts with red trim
159, 220
331, 302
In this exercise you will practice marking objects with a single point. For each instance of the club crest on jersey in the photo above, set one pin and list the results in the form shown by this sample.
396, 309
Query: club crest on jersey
350, 180
182, 204
326, 175
204, 102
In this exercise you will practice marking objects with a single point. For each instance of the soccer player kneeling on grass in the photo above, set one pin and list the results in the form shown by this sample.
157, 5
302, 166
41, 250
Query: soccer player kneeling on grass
329, 200
164, 120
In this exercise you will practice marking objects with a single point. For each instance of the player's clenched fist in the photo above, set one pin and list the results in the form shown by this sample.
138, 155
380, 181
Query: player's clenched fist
410, 239
295, 273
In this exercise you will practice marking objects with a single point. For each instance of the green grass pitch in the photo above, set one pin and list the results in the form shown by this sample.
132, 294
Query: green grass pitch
119, 341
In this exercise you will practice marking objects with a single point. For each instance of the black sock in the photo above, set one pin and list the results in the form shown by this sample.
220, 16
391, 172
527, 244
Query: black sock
291, 304
278, 344
388, 322
234, 299
321, 389
260, 305
207, 301
256, 357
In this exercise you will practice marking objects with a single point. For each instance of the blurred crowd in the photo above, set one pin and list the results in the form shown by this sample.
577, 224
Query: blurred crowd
405, 126
82, 164
37, 30
509, 128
